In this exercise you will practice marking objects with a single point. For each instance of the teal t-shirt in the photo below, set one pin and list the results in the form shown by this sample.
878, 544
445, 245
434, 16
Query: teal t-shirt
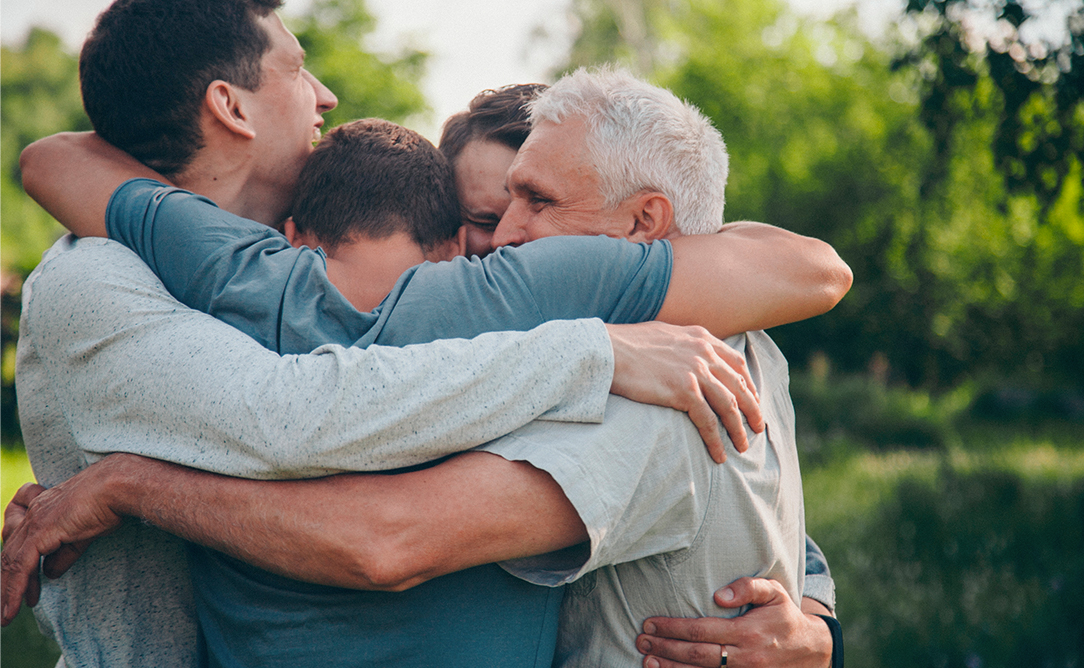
246, 274
249, 276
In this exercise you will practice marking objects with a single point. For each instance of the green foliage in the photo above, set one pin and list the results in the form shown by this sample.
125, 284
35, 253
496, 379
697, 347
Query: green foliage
862, 411
24, 646
333, 36
1039, 135
970, 568
956, 273
39, 95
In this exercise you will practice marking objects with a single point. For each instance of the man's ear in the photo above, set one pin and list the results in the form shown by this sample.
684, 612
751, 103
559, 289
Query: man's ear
450, 248
297, 239
461, 241
654, 217
226, 104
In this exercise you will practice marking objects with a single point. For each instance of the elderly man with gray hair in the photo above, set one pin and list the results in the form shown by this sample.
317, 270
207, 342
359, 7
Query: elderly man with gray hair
610, 154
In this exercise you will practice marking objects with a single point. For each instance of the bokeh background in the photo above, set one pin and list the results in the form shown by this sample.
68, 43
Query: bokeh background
938, 145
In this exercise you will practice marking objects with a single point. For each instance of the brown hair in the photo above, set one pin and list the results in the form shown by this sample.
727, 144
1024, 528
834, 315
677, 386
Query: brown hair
146, 66
493, 115
373, 178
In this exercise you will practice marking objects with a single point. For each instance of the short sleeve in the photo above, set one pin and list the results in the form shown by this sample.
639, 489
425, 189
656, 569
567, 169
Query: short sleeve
238, 270
517, 288
640, 482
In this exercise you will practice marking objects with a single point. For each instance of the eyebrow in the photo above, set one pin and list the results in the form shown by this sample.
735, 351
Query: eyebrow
464, 212
531, 187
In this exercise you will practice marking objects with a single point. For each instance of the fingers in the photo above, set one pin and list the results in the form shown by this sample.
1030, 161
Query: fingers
751, 591
691, 629
742, 387
688, 369
707, 423
667, 652
18, 569
16, 510
724, 404
58, 563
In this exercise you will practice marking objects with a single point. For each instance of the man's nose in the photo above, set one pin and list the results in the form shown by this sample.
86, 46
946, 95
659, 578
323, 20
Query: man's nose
512, 230
325, 99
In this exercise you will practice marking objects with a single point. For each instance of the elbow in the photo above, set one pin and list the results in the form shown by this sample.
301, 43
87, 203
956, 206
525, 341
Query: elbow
832, 274
839, 280
374, 569
30, 161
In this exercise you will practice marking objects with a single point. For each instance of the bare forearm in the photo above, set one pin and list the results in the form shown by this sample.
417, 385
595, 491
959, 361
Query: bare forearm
72, 176
257, 522
752, 276
361, 531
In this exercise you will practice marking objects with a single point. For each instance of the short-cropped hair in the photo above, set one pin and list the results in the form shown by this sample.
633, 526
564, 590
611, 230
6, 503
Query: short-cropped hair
373, 178
642, 137
145, 68
498, 115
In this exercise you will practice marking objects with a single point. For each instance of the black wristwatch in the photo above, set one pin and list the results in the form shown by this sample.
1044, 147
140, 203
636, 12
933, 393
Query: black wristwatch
837, 639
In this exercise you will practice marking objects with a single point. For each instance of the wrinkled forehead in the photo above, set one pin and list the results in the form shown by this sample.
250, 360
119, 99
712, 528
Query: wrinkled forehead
554, 150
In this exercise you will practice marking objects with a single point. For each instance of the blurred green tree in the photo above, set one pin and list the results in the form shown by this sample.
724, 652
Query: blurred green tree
1040, 135
333, 33
39, 95
955, 272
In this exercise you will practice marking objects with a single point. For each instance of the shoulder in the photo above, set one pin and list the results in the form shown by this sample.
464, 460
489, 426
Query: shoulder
72, 261
90, 280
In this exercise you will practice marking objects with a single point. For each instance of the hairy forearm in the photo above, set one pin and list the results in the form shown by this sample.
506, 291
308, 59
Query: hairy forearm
362, 531
752, 276
72, 176
257, 522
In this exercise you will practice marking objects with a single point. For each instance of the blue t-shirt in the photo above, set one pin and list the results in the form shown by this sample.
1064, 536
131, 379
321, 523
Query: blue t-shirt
249, 276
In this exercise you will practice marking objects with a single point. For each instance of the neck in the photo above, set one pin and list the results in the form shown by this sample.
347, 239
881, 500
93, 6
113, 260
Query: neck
234, 188
365, 270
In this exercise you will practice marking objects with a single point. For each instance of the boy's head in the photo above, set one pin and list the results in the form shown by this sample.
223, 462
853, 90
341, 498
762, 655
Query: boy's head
146, 67
372, 178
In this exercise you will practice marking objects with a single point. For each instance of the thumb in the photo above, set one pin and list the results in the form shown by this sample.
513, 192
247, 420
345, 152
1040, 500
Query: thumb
57, 563
749, 591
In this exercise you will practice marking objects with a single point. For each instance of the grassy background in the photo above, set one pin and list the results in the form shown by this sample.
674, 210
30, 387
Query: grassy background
955, 539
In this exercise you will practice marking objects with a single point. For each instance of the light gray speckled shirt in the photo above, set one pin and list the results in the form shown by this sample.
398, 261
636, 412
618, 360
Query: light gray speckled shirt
109, 361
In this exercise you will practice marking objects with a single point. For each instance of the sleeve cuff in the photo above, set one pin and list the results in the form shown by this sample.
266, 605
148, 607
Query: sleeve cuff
587, 348
821, 588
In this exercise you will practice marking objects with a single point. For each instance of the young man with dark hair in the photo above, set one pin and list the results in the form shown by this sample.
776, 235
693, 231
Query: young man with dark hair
138, 97
377, 199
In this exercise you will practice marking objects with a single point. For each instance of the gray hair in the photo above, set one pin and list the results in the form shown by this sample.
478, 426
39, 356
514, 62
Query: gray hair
642, 137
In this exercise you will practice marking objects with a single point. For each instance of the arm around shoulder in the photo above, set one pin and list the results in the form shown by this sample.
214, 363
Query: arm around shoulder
72, 175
